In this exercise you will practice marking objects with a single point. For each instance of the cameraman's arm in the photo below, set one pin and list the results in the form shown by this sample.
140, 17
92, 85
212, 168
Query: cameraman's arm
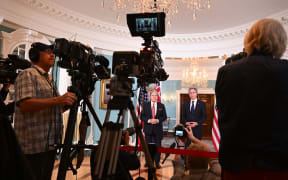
193, 139
32, 104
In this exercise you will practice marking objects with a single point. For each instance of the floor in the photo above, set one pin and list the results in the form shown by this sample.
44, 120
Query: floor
164, 173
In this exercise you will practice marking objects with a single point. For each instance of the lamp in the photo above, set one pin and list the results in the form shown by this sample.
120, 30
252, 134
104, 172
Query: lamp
194, 77
170, 7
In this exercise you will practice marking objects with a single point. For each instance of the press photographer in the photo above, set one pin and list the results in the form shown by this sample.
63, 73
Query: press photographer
197, 166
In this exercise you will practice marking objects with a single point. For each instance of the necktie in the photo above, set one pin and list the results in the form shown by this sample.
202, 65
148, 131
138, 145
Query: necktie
153, 111
192, 107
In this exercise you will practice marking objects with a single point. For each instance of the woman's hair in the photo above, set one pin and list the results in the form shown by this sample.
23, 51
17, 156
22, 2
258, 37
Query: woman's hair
266, 36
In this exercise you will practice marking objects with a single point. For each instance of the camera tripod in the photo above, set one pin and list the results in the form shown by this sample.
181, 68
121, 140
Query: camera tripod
67, 147
109, 144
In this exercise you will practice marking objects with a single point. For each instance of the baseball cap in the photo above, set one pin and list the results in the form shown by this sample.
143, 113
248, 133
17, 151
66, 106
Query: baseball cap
41, 47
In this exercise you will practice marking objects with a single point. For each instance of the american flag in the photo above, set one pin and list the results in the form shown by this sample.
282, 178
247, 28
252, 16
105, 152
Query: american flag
158, 90
215, 130
142, 97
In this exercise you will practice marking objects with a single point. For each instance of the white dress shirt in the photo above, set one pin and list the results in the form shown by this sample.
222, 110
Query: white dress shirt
155, 105
195, 102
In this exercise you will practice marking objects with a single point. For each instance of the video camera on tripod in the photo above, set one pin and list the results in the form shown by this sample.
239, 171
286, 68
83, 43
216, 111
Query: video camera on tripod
11, 66
147, 67
85, 69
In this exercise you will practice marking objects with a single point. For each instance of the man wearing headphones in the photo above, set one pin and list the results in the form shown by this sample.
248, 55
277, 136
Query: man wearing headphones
38, 111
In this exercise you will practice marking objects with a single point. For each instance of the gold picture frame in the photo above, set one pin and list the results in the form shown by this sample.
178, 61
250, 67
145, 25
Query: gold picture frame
104, 96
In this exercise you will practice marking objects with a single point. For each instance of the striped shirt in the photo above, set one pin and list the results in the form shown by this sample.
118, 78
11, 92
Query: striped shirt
37, 130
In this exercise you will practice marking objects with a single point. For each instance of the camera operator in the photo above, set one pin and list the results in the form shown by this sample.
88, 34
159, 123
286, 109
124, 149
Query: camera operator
38, 111
198, 166
5, 110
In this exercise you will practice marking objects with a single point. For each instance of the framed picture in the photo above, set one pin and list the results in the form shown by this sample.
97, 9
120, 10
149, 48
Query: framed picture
104, 96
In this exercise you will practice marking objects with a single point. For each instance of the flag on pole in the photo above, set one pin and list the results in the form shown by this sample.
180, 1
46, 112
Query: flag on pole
158, 90
215, 130
142, 97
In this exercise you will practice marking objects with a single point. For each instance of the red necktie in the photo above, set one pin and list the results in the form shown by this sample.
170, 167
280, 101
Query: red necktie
153, 111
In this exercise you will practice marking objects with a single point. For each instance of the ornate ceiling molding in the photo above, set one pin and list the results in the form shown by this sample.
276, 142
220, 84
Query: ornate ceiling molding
93, 24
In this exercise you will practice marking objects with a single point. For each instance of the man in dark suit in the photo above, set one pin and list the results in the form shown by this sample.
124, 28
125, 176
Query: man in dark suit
153, 115
194, 114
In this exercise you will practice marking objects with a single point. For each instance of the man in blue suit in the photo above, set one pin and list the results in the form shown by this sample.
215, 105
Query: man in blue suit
194, 114
153, 115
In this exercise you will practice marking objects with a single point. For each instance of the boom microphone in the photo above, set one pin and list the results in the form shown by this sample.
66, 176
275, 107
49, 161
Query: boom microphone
167, 155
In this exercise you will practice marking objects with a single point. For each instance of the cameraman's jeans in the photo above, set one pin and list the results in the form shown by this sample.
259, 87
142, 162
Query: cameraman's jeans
42, 164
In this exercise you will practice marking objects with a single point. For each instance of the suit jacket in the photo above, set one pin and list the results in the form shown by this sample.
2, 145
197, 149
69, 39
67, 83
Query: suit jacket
252, 98
146, 114
199, 114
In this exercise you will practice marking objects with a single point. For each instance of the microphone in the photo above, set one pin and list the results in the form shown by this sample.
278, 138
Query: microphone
167, 155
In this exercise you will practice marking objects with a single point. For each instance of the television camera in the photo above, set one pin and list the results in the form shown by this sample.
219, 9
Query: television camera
11, 66
147, 66
82, 64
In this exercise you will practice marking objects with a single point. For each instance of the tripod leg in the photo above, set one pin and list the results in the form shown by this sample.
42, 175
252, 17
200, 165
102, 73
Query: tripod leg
116, 145
64, 162
91, 109
102, 148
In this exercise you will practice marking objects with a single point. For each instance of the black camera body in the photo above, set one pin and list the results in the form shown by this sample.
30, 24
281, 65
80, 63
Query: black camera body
81, 63
147, 66
179, 131
11, 66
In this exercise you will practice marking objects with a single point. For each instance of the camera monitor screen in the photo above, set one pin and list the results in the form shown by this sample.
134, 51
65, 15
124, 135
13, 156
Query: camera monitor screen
146, 24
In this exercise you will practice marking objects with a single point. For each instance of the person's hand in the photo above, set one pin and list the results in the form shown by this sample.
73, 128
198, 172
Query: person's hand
154, 121
191, 124
67, 99
6, 85
189, 132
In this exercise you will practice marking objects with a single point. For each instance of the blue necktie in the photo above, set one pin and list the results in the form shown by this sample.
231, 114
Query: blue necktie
192, 107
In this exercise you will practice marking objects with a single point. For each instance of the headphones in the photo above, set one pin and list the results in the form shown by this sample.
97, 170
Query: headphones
34, 53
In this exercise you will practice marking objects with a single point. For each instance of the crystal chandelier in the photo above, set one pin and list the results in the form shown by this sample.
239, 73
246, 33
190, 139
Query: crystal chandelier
170, 7
194, 77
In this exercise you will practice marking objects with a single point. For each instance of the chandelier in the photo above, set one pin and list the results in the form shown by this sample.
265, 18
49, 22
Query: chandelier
170, 7
194, 77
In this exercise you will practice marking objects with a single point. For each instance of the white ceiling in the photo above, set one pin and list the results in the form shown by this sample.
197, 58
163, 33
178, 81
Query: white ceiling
224, 14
